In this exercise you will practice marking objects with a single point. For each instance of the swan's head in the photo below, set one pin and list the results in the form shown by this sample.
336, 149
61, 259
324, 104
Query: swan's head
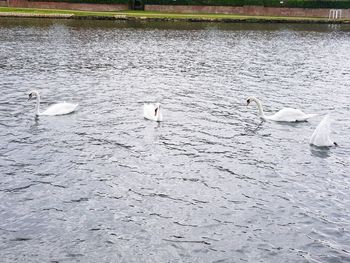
157, 109
250, 99
33, 93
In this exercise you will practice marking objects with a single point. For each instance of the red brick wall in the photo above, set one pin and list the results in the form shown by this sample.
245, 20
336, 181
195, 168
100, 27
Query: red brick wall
67, 6
246, 10
195, 9
17, 3
3, 3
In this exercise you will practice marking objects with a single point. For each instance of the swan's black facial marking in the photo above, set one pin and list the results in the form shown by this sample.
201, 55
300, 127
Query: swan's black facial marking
155, 112
30, 96
248, 102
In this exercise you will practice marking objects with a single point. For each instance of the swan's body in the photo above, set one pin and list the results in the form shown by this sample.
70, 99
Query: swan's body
55, 109
152, 112
284, 115
59, 109
321, 135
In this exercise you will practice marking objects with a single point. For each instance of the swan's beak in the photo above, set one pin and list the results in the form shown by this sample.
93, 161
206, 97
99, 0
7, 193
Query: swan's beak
30, 96
155, 112
248, 102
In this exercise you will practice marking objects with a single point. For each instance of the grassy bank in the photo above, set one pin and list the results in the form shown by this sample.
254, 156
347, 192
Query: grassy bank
30, 11
144, 15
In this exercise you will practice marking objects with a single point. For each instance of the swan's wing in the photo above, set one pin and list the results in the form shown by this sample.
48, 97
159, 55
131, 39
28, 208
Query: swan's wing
60, 109
306, 117
148, 111
148, 107
160, 116
322, 133
288, 115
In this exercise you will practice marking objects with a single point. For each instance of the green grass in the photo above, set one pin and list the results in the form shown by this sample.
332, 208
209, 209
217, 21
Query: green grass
158, 15
148, 14
54, 11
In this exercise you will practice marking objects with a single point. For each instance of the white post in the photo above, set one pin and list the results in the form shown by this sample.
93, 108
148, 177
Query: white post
338, 16
335, 14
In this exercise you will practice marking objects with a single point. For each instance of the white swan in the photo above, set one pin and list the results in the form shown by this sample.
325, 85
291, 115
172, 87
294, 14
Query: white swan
285, 115
55, 109
152, 112
321, 135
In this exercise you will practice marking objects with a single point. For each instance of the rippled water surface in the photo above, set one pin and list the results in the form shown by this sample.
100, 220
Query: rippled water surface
209, 184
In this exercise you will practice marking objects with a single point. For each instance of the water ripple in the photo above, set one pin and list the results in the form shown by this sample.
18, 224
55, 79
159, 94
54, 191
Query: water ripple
211, 183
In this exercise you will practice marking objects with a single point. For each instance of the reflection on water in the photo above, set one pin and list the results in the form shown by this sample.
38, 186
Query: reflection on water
212, 183
322, 152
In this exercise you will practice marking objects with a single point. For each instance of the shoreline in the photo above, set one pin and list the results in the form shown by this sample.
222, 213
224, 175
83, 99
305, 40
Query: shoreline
157, 16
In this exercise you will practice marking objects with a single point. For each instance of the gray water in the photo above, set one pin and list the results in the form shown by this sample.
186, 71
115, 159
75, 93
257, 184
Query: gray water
211, 183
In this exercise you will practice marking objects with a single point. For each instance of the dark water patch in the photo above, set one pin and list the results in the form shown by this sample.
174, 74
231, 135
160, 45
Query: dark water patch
183, 224
21, 239
53, 208
159, 215
189, 241
18, 189
50, 183
82, 199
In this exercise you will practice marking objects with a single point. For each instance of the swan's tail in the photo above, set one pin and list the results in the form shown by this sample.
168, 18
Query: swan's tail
308, 116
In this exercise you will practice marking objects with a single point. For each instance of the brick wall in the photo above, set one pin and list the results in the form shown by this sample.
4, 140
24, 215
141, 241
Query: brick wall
67, 6
3, 3
247, 10
239, 10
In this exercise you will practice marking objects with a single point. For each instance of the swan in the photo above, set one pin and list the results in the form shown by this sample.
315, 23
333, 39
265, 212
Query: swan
55, 109
321, 135
285, 115
152, 112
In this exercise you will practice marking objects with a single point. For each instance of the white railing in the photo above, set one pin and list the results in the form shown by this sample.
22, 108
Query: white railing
334, 14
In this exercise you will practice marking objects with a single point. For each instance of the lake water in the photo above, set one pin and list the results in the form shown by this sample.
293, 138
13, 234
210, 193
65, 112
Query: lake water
209, 184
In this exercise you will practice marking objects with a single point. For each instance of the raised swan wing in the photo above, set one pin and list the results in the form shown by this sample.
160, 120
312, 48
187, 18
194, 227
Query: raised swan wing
322, 133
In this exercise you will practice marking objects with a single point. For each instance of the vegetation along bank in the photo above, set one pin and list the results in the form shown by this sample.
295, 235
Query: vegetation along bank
296, 11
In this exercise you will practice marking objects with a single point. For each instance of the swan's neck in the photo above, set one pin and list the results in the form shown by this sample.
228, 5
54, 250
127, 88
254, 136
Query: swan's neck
158, 113
37, 106
260, 108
